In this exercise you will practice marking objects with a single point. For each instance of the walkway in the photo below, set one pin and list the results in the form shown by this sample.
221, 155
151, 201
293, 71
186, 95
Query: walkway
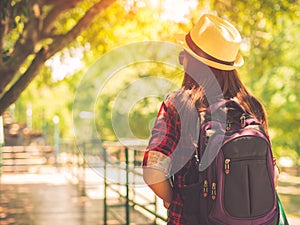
48, 198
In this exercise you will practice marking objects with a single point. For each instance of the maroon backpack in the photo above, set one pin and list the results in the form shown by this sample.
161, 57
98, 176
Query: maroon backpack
235, 172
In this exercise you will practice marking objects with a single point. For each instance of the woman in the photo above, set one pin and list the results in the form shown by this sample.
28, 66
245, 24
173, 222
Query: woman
210, 59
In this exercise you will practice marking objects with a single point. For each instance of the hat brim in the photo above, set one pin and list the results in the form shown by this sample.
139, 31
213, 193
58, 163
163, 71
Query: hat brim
239, 61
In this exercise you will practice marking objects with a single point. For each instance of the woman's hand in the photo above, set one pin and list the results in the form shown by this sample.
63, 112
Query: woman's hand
166, 205
276, 175
159, 183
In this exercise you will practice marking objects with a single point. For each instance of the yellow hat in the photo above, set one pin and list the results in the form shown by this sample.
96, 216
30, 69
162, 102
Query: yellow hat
215, 42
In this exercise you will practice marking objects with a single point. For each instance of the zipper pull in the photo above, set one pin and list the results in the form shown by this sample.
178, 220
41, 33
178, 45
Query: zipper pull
228, 125
243, 121
205, 188
226, 168
213, 191
196, 157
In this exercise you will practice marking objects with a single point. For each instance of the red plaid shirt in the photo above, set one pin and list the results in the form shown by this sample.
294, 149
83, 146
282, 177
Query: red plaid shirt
165, 139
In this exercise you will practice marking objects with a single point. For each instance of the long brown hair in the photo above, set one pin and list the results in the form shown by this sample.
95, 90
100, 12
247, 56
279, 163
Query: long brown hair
231, 87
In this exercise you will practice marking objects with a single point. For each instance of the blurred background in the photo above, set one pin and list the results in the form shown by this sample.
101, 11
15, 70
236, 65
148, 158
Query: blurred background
48, 46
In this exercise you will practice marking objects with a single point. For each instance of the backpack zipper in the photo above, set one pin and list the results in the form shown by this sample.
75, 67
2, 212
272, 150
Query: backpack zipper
213, 190
227, 162
227, 166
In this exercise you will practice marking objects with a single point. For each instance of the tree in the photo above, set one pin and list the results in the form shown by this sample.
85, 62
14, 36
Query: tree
28, 36
271, 52
269, 32
122, 26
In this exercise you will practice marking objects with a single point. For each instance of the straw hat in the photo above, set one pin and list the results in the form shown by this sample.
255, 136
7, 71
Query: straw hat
215, 42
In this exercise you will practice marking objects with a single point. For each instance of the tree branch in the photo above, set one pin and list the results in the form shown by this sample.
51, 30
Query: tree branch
55, 12
4, 26
83, 23
45, 53
29, 37
23, 47
14, 92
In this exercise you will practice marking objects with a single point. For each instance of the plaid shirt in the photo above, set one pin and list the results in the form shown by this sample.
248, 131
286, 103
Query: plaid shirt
166, 134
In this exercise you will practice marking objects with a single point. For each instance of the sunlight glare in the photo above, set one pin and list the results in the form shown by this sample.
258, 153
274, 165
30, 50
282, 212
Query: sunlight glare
66, 63
177, 12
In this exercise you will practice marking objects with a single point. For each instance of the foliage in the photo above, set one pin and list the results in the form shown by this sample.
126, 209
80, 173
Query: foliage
30, 34
270, 48
128, 98
270, 30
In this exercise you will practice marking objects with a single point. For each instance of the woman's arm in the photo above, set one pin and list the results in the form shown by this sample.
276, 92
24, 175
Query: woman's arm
276, 175
276, 172
159, 184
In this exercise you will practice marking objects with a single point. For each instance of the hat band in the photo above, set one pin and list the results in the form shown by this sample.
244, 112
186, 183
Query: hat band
202, 53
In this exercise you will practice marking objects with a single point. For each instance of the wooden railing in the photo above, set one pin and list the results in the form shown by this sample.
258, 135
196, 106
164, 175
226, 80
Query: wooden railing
23, 158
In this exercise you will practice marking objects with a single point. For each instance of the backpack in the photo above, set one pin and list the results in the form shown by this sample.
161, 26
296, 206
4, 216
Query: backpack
235, 172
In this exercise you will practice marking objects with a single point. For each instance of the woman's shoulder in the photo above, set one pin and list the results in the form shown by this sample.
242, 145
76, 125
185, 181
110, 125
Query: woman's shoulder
179, 95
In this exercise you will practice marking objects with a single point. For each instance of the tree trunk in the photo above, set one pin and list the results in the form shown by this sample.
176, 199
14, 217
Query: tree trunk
60, 42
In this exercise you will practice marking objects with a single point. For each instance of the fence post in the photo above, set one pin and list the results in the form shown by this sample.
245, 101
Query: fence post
56, 139
105, 187
82, 171
1, 143
127, 187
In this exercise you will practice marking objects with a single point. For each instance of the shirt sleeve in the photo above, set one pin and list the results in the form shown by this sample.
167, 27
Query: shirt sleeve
164, 138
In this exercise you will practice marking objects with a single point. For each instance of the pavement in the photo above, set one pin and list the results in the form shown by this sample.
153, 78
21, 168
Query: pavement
49, 197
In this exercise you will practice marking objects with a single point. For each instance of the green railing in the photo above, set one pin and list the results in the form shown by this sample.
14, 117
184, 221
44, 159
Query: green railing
119, 165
